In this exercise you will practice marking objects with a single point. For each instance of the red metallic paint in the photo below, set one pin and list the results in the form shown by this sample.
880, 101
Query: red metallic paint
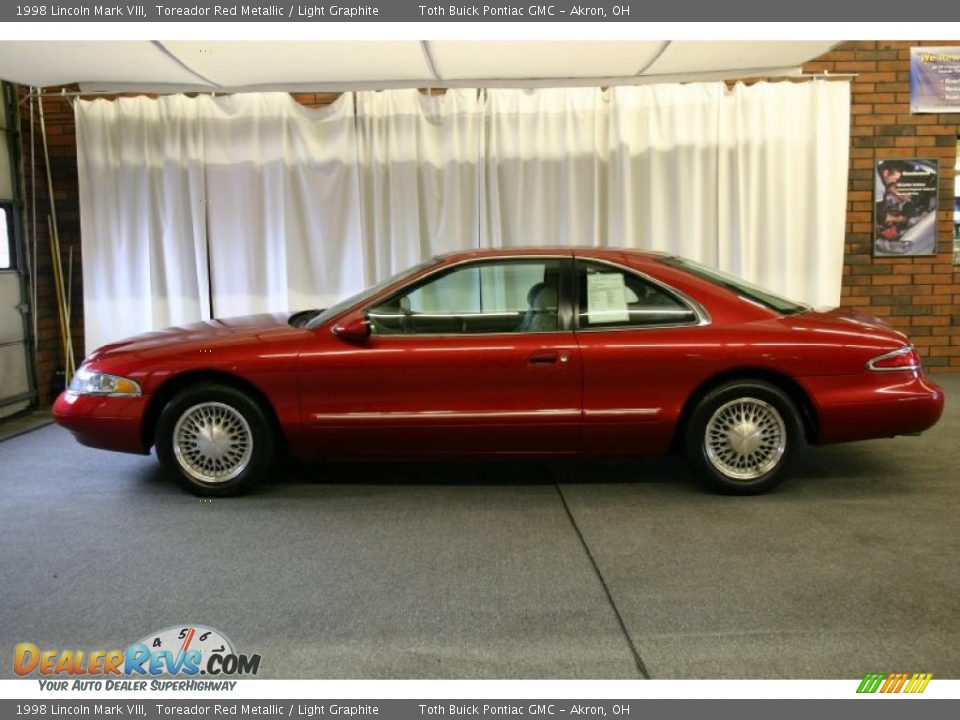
403, 394
617, 392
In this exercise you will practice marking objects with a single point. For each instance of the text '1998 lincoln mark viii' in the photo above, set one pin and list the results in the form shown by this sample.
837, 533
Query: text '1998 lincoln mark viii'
590, 352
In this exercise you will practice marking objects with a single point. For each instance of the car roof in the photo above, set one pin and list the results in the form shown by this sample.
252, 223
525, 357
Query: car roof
612, 253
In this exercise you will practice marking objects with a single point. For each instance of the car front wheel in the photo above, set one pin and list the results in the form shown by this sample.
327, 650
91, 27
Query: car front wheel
740, 436
214, 440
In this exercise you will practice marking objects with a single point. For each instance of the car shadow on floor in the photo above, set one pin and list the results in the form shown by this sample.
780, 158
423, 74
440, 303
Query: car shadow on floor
854, 470
485, 472
292, 472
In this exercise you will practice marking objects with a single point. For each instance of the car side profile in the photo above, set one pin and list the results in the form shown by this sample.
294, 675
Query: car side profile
521, 352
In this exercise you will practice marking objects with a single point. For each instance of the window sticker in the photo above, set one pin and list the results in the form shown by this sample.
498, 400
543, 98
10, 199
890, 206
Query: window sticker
606, 298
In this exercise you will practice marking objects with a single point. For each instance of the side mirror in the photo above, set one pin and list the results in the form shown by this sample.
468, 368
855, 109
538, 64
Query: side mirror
353, 328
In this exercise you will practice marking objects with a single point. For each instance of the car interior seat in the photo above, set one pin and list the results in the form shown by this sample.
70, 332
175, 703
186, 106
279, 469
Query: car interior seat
541, 316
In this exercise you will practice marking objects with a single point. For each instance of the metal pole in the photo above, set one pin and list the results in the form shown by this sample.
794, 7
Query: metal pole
13, 116
69, 296
345, 86
56, 259
33, 234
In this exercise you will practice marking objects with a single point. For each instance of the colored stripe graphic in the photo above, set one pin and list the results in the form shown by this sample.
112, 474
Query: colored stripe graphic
871, 682
894, 682
901, 679
919, 682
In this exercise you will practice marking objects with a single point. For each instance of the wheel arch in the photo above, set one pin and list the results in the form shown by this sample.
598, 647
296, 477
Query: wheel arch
780, 380
181, 381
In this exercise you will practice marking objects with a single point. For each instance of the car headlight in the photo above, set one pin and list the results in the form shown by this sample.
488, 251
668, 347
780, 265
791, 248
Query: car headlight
90, 382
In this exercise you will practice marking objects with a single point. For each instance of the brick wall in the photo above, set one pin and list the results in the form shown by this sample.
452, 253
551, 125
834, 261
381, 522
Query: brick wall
62, 141
919, 295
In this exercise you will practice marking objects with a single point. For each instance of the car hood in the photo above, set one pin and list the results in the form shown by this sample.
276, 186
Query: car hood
216, 332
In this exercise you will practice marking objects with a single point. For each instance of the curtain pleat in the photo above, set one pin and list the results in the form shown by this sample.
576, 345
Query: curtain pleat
283, 209
142, 216
419, 163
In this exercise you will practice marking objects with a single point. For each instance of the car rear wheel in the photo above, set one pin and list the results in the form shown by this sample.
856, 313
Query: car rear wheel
214, 440
740, 436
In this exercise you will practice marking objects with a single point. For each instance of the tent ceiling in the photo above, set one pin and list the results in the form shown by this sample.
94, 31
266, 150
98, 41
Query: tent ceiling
238, 65
514, 60
696, 56
61, 63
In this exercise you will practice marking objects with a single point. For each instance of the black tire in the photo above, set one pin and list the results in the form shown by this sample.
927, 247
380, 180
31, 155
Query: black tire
779, 440
246, 463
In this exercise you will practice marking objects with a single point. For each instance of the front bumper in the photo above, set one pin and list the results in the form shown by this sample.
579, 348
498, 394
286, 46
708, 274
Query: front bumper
109, 423
874, 405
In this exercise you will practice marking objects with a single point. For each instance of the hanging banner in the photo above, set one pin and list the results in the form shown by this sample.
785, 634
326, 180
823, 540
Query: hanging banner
934, 79
905, 198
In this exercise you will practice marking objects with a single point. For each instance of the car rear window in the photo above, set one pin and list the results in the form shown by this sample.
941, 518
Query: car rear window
734, 284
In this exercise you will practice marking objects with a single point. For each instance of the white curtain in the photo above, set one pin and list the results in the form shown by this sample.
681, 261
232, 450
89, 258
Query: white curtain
783, 162
752, 180
546, 158
663, 168
302, 207
142, 215
419, 159
283, 203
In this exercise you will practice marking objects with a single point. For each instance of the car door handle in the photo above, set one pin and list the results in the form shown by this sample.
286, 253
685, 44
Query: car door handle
546, 357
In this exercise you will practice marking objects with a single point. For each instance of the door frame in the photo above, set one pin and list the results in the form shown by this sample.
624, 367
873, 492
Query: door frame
18, 243
565, 265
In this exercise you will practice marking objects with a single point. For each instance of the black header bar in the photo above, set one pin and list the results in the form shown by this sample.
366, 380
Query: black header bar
602, 11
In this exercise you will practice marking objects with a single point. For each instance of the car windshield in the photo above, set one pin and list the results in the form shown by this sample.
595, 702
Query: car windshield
346, 303
737, 285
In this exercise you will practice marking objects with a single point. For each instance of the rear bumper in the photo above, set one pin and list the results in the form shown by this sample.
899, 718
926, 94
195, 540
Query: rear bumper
874, 405
103, 422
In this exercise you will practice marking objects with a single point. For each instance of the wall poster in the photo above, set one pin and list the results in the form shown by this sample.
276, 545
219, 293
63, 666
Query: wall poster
905, 202
934, 79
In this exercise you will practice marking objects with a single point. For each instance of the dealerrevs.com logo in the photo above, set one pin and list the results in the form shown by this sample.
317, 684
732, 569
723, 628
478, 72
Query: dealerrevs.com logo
179, 651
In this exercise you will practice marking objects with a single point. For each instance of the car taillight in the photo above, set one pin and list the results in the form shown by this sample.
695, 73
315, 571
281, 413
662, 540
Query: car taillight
905, 358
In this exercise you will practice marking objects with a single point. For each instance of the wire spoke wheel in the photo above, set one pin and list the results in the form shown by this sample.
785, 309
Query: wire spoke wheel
745, 439
212, 442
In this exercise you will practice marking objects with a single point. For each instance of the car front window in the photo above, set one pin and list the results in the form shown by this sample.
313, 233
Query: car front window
502, 296
358, 298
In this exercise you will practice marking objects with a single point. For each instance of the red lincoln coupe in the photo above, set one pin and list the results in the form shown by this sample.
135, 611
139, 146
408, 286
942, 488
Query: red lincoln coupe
509, 352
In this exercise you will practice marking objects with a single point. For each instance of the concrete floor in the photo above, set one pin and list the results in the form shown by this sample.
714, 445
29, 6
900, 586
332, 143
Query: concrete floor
601, 570
23, 423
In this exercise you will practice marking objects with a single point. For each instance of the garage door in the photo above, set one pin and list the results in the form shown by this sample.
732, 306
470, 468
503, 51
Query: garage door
14, 378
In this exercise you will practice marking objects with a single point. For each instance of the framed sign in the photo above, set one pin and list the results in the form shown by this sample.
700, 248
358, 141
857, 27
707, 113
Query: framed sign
934, 79
905, 202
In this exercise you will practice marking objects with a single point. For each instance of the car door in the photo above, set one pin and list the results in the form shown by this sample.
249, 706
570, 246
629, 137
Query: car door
477, 357
638, 342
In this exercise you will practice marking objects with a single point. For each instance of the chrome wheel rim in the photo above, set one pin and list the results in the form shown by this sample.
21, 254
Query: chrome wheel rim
745, 439
212, 442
